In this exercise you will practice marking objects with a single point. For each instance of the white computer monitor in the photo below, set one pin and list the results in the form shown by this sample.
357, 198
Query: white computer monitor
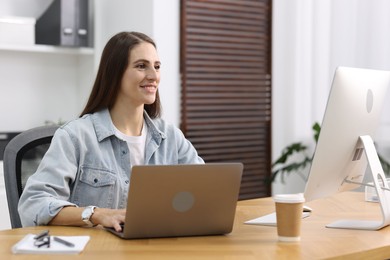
345, 143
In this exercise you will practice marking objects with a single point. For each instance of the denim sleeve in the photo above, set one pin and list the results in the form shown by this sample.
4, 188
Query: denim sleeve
47, 191
187, 152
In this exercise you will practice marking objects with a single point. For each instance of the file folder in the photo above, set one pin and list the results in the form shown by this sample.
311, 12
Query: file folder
64, 23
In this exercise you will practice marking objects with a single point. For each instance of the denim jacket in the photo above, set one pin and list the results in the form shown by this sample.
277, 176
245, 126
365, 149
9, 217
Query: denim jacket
86, 164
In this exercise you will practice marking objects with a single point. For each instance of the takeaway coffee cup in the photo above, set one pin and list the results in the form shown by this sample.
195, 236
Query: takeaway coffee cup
289, 209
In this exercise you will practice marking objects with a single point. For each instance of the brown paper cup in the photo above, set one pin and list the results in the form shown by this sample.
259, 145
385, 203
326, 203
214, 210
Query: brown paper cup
289, 209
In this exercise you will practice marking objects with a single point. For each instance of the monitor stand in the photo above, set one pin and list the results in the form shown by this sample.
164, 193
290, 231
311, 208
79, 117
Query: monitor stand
383, 192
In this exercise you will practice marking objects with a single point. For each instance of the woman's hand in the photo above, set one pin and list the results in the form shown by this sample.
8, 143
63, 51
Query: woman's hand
71, 216
109, 217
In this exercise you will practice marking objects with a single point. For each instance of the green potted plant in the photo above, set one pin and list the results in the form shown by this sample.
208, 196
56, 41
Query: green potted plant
284, 164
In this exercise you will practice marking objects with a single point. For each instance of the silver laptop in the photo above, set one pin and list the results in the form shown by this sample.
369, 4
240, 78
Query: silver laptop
181, 200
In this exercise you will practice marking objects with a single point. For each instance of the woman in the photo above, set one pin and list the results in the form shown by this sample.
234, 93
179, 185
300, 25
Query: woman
84, 177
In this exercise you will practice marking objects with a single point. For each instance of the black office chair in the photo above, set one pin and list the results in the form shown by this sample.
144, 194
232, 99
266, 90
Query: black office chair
22, 156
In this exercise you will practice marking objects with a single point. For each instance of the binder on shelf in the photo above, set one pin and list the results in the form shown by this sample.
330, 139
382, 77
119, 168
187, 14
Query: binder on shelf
64, 23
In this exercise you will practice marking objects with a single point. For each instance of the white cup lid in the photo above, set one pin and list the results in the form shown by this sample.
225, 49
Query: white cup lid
289, 198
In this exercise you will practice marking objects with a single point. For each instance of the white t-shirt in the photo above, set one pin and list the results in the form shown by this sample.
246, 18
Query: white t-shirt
136, 145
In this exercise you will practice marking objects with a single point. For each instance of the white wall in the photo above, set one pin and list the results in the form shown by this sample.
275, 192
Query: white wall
33, 8
310, 39
166, 33
36, 87
5, 222
158, 19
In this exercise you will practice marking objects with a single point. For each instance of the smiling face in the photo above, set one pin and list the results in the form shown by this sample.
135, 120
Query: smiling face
141, 78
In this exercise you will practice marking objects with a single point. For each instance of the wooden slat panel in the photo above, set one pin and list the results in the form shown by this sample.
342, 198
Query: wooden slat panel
223, 64
221, 126
228, 132
233, 5
228, 45
226, 85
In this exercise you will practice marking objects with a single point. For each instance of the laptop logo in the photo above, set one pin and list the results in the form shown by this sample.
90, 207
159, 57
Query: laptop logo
183, 201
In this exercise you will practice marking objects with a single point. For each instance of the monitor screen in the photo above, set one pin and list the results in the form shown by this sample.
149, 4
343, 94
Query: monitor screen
353, 110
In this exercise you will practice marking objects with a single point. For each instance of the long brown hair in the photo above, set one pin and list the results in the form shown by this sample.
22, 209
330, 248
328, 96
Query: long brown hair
113, 63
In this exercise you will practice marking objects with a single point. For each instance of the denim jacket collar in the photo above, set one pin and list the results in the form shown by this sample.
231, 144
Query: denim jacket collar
104, 129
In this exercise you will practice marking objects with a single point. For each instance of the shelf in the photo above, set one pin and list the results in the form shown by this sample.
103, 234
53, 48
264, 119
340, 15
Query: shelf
47, 49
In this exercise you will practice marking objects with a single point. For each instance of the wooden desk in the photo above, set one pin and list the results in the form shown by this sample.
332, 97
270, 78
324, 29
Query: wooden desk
245, 242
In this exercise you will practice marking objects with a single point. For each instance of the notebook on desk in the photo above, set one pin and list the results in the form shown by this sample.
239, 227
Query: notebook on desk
181, 200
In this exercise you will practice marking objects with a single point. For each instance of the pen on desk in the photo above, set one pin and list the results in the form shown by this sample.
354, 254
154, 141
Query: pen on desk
64, 242
41, 235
